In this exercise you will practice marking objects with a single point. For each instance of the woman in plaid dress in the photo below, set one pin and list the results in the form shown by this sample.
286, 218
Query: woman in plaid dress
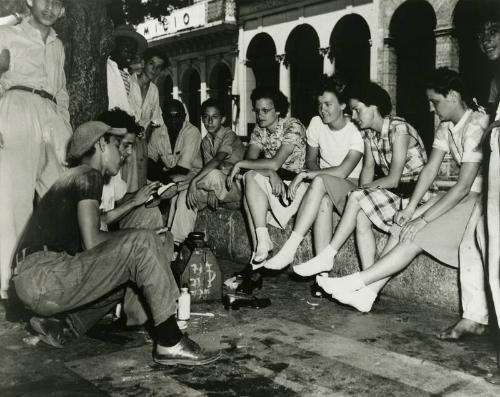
445, 225
392, 145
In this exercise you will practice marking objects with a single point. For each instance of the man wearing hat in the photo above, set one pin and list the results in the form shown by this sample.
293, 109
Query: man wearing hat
127, 44
66, 264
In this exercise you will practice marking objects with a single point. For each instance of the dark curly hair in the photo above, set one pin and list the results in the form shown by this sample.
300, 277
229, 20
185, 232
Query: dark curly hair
371, 93
156, 52
280, 101
117, 118
444, 80
334, 85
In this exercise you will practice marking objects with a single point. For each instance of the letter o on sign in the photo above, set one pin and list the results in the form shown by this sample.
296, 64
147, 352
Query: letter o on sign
186, 18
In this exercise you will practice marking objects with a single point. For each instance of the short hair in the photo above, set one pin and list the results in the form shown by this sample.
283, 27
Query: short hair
279, 99
334, 85
444, 80
156, 52
117, 118
488, 12
371, 93
212, 103
174, 104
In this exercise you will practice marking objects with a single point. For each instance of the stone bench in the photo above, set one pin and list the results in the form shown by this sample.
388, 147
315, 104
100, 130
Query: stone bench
424, 281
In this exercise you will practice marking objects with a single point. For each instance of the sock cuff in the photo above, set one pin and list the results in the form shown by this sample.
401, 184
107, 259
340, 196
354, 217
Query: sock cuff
358, 280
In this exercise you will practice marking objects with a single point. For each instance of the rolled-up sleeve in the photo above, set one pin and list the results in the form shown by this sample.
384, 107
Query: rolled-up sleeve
294, 133
441, 138
472, 144
312, 133
190, 149
226, 145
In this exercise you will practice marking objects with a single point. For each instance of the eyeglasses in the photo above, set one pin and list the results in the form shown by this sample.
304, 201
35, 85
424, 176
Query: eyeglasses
263, 110
488, 33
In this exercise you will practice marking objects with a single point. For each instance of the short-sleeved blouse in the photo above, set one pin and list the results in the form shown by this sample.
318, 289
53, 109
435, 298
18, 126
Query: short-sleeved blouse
288, 131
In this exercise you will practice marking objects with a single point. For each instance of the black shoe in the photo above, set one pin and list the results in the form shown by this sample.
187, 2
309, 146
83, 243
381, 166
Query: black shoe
188, 353
248, 282
50, 331
318, 292
236, 301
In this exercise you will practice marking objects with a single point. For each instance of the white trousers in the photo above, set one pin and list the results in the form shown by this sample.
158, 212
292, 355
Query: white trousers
184, 218
35, 139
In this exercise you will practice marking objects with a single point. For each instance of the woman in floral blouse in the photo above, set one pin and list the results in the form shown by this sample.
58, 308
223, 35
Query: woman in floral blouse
282, 144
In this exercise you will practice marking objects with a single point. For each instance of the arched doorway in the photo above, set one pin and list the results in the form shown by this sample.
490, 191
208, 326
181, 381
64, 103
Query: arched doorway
412, 30
168, 88
476, 70
350, 46
261, 58
306, 68
191, 84
221, 82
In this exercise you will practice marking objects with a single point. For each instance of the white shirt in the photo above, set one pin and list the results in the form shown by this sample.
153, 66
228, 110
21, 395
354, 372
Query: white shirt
463, 140
334, 145
112, 192
117, 93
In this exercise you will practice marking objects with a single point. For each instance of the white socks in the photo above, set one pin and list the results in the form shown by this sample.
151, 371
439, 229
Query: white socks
285, 255
323, 262
340, 285
264, 245
361, 300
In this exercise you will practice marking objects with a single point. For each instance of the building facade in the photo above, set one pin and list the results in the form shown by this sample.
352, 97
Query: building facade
289, 44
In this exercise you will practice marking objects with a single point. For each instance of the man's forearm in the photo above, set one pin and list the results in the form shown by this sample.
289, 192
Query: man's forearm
119, 212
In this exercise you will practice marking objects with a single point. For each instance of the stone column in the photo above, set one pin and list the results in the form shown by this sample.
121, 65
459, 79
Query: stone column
328, 65
285, 81
175, 80
446, 48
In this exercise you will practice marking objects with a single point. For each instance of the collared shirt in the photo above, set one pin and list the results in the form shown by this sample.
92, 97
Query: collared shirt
117, 92
381, 146
148, 110
186, 152
34, 63
335, 145
463, 140
288, 131
225, 141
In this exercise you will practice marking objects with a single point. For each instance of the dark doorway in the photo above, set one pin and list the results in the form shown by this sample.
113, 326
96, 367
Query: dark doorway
476, 70
191, 95
306, 68
168, 87
221, 82
350, 46
261, 57
412, 30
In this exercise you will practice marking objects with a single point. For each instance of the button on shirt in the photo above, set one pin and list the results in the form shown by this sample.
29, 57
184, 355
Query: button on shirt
34, 63
463, 140
225, 141
335, 145
186, 152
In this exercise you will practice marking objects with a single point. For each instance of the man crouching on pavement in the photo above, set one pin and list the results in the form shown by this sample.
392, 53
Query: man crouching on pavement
65, 263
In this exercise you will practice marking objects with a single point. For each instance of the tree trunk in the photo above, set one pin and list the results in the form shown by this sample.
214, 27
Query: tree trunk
86, 34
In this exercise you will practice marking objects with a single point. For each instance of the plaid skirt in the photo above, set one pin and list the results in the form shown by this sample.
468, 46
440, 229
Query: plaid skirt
380, 205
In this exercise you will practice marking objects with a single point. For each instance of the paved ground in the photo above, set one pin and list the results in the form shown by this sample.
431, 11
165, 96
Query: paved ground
296, 347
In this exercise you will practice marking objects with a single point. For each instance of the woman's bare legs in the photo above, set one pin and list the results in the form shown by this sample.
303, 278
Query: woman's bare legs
306, 217
324, 260
258, 205
323, 225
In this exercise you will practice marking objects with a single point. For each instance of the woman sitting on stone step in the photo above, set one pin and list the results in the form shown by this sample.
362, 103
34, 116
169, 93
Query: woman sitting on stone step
444, 226
391, 145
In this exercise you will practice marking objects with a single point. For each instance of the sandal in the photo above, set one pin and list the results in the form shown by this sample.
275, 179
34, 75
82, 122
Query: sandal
49, 330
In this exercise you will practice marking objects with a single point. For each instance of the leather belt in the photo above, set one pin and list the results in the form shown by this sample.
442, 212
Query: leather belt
22, 254
42, 93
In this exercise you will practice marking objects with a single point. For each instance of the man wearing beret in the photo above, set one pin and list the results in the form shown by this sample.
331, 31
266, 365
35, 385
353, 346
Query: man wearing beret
66, 265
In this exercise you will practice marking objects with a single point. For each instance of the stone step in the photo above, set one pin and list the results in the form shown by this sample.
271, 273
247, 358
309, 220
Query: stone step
425, 281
